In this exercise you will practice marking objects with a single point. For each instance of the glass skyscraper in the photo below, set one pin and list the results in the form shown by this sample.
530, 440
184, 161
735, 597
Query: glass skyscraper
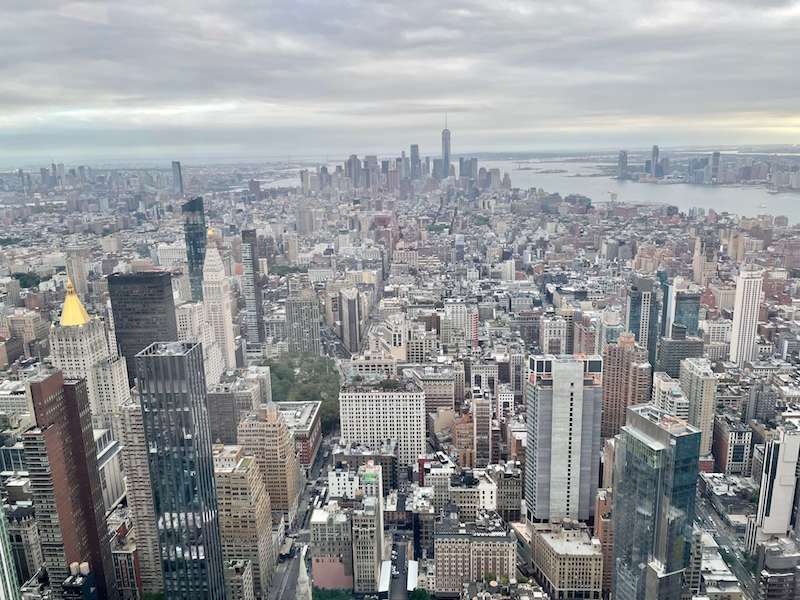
172, 388
643, 313
194, 232
655, 477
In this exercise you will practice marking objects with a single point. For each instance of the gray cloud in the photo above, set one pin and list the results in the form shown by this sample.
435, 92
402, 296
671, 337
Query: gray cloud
210, 77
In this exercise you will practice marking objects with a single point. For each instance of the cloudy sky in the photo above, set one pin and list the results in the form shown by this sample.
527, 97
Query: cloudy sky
262, 78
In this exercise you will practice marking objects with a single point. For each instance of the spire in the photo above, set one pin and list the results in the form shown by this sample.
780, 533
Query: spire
213, 269
73, 314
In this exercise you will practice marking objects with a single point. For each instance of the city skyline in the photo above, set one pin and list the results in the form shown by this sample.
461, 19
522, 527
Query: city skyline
254, 81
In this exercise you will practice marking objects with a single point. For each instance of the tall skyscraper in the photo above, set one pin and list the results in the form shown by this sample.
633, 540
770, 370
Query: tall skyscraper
642, 313
76, 269
416, 165
654, 162
177, 178
61, 458
79, 347
143, 309
140, 495
699, 384
302, 318
251, 288
715, 167
682, 305
672, 350
626, 381
445, 152
622, 164
482, 427
745, 313
704, 260
655, 478
9, 586
172, 388
350, 314
266, 436
217, 302
194, 233
565, 399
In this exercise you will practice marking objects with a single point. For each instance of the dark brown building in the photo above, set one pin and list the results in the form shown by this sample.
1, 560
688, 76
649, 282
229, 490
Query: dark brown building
62, 461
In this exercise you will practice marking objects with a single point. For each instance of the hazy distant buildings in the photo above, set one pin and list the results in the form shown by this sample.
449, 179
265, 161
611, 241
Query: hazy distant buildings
177, 178
143, 309
445, 172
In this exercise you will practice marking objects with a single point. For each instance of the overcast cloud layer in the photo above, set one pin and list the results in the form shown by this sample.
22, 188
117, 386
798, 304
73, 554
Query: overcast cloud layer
260, 78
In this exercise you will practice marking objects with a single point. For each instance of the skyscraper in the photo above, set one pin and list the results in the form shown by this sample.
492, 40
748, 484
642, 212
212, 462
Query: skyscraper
445, 152
217, 302
140, 495
642, 313
655, 476
79, 347
565, 399
675, 348
251, 288
171, 384
416, 165
61, 458
143, 309
622, 164
177, 178
654, 162
302, 318
682, 305
350, 314
699, 384
194, 233
626, 381
266, 436
745, 313
9, 586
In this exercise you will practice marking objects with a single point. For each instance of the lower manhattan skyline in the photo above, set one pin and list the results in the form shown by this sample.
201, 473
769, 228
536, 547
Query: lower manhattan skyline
94, 80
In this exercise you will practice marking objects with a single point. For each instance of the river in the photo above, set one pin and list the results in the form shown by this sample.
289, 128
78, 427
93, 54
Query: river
741, 200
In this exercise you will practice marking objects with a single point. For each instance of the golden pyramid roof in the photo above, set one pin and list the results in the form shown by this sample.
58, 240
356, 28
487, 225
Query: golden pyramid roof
73, 314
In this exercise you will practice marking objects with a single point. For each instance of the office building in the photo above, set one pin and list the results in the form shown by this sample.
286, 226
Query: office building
239, 584
669, 397
61, 459
553, 335
564, 404
265, 435
350, 316
9, 584
26, 546
218, 304
622, 165
177, 178
670, 351
331, 547
653, 530
251, 288
171, 384
732, 445
302, 319
367, 544
371, 414
682, 305
745, 314
567, 561
143, 310
140, 496
699, 384
654, 162
79, 348
626, 381
643, 312
465, 552
245, 514
482, 428
194, 233
303, 421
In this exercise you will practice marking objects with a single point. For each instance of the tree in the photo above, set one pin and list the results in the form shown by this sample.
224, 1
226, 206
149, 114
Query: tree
419, 594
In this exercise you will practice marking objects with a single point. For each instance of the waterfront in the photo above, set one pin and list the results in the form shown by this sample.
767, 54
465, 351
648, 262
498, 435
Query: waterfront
744, 200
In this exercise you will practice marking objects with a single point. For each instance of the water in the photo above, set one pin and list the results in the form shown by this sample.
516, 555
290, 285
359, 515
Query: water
745, 200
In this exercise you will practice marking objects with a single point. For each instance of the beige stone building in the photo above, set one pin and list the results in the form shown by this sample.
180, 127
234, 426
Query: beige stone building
567, 561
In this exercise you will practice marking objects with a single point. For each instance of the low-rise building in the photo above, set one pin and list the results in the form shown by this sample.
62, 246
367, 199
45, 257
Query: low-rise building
567, 561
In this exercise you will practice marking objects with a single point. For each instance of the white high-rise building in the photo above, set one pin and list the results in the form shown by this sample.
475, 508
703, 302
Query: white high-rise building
217, 300
79, 348
699, 384
193, 327
373, 414
564, 404
745, 313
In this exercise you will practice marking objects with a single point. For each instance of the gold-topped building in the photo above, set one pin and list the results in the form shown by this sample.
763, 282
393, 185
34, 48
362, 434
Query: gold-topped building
79, 348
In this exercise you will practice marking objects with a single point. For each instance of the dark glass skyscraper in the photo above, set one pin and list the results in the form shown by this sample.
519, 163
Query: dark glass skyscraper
655, 477
143, 310
172, 388
194, 232
251, 288
643, 313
